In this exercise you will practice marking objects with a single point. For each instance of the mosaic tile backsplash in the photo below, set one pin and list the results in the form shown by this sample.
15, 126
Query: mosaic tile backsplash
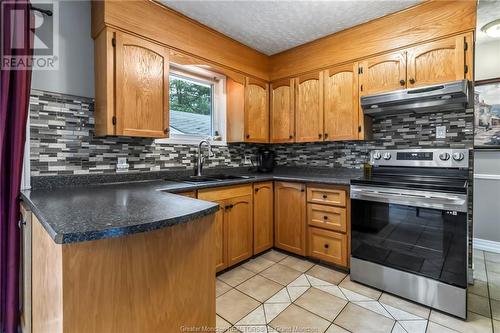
63, 142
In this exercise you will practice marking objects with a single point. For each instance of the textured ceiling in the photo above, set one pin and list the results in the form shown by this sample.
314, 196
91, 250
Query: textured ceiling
275, 26
487, 11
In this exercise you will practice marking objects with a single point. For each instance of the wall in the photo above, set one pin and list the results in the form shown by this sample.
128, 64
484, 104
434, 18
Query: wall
486, 194
63, 142
487, 60
487, 163
76, 53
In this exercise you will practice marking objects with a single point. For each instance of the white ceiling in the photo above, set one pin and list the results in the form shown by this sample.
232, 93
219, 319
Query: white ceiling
274, 26
487, 11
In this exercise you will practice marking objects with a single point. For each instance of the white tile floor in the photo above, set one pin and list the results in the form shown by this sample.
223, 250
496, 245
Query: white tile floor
279, 293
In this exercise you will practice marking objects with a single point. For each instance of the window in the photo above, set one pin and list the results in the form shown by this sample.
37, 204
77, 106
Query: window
197, 105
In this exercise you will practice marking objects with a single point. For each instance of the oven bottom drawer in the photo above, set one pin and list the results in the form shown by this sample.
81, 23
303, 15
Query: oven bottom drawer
328, 246
438, 295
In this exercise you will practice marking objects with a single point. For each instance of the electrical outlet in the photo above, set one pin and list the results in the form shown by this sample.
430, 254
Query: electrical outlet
247, 160
440, 132
122, 165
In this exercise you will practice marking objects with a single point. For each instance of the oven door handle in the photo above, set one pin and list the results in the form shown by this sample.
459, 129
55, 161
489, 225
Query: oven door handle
423, 199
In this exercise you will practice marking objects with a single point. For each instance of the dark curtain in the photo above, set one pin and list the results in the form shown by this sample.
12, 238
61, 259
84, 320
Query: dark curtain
14, 99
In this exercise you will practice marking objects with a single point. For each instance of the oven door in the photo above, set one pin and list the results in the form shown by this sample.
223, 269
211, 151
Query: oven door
424, 233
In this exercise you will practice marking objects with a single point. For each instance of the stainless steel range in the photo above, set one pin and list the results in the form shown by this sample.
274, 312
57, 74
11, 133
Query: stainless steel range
409, 226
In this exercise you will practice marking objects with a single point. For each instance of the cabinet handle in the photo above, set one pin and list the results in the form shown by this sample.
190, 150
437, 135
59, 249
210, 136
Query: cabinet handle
326, 135
326, 246
320, 135
412, 80
325, 196
248, 136
402, 82
302, 190
290, 137
256, 190
325, 217
166, 130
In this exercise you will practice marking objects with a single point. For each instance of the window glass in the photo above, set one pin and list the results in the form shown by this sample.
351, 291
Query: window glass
191, 106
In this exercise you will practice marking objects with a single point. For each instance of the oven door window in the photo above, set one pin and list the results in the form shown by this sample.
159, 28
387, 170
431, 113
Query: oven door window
427, 242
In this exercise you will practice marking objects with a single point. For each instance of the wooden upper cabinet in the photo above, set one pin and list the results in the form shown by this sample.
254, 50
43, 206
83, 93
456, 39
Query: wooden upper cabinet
263, 217
341, 103
437, 62
256, 111
282, 119
290, 217
235, 110
309, 108
141, 83
383, 73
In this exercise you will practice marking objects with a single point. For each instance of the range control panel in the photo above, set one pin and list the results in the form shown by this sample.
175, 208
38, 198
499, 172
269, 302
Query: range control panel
437, 158
415, 156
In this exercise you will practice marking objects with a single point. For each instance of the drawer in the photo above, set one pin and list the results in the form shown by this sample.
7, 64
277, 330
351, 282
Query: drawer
328, 217
326, 196
191, 194
328, 246
223, 193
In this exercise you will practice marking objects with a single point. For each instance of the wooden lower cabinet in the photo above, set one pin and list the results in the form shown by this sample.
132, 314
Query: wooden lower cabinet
326, 195
95, 286
328, 219
263, 219
312, 220
327, 245
190, 194
234, 223
220, 239
238, 217
290, 217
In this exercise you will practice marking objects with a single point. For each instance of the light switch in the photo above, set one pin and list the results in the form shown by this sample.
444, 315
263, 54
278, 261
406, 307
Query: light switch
440, 132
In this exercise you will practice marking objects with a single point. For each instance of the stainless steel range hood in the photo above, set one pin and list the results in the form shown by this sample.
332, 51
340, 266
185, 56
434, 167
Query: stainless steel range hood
440, 97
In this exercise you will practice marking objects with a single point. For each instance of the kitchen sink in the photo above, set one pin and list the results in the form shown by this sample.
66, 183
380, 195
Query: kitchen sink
211, 178
228, 177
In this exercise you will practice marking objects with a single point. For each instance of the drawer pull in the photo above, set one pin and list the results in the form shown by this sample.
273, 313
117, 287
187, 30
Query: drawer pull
325, 196
326, 246
325, 217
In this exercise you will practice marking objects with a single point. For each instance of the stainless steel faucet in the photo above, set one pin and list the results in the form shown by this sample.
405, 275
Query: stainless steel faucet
201, 158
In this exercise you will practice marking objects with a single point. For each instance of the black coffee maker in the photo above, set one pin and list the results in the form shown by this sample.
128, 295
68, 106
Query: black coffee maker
265, 160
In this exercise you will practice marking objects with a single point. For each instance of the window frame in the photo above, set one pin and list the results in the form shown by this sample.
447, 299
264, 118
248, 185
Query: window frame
218, 123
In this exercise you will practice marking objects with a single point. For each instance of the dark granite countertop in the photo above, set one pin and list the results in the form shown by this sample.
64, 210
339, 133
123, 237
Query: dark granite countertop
89, 212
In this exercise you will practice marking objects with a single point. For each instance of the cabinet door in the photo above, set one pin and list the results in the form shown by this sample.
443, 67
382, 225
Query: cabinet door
141, 87
239, 222
341, 103
437, 62
309, 108
220, 239
256, 111
235, 111
327, 245
263, 217
383, 73
290, 217
282, 111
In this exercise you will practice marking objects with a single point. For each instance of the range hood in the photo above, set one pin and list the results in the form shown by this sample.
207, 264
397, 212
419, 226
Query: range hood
449, 96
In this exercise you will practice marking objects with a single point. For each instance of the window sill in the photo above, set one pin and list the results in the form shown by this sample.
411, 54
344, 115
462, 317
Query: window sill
191, 140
